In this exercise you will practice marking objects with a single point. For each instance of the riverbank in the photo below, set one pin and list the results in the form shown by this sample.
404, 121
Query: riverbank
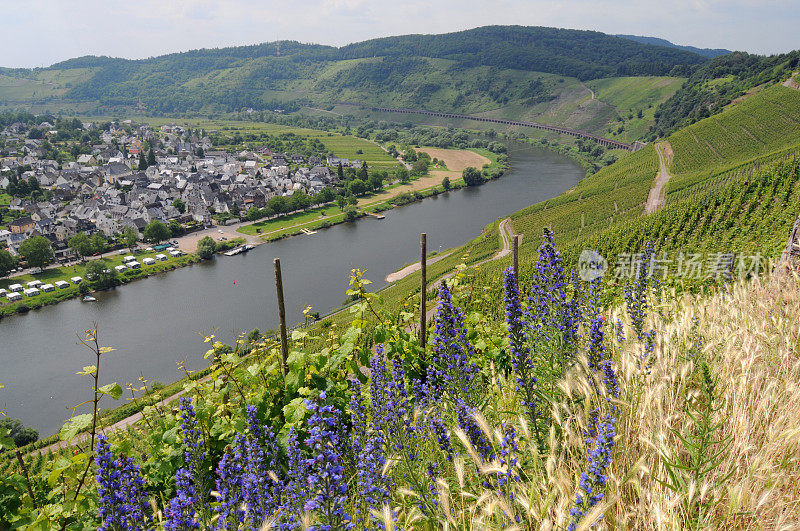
394, 195
111, 261
164, 319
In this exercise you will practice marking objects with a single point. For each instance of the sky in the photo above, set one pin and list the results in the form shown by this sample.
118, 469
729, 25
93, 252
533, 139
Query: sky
41, 32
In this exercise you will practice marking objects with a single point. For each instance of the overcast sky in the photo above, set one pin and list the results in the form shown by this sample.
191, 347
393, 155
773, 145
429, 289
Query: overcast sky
41, 32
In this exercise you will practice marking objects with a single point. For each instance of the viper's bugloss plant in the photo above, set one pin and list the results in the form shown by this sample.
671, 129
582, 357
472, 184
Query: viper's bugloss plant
120, 490
452, 371
186, 507
326, 483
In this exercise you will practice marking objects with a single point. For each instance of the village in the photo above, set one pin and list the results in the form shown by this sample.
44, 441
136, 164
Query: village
128, 175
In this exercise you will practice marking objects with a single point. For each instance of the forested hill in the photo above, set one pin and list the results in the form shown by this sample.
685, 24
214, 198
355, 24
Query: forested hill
467, 71
655, 41
576, 53
717, 83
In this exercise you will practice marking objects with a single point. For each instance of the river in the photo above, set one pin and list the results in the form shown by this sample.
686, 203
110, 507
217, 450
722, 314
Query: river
154, 322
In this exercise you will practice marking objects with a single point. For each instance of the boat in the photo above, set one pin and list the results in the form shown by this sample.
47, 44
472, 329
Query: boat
89, 298
240, 250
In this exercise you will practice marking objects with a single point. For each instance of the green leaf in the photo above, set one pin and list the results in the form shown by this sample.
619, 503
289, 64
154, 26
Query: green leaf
75, 425
6, 441
113, 390
89, 369
295, 410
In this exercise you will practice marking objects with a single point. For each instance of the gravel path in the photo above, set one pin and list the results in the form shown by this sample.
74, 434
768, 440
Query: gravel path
656, 199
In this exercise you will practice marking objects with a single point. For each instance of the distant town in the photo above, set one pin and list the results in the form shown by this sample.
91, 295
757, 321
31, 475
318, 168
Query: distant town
123, 174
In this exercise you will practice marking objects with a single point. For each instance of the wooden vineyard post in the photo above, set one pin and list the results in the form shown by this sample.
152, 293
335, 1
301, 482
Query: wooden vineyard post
515, 250
282, 317
423, 290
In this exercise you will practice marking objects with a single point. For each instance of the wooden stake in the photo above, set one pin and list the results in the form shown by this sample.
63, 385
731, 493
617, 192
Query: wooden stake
424, 285
515, 250
282, 317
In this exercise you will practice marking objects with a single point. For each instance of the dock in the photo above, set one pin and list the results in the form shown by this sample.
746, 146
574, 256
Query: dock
307, 231
239, 250
374, 215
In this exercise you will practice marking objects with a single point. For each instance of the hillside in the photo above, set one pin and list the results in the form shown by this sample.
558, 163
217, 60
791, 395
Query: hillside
469, 71
655, 41
717, 83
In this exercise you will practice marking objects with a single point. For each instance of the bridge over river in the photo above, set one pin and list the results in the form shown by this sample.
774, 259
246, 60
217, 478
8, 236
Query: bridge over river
561, 130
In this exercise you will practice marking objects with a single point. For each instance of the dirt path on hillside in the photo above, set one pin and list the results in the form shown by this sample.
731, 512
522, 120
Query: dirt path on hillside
791, 83
412, 268
505, 235
657, 196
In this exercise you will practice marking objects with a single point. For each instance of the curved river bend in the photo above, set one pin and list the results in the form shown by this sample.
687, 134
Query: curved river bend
154, 322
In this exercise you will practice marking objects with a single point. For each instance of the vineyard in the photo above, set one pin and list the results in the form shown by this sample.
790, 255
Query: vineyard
766, 121
751, 210
614, 193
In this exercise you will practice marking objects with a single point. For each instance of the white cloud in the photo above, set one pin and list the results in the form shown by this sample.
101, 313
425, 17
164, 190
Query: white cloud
40, 32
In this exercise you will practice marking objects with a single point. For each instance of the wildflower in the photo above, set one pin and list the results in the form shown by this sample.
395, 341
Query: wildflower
120, 488
325, 479
183, 508
452, 370
518, 341
229, 486
374, 487
594, 480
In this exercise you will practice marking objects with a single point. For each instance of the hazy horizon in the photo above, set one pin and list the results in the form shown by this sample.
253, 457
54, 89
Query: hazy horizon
48, 32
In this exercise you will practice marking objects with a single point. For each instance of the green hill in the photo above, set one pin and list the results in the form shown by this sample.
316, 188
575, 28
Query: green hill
717, 83
469, 71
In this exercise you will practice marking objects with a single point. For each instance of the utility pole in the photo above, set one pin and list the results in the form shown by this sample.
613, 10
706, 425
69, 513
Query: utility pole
282, 317
423, 291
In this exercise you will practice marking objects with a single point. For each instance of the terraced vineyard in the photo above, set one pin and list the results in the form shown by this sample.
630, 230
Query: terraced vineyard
751, 210
761, 123
614, 193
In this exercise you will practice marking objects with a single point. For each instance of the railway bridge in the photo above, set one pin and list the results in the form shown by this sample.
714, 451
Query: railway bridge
561, 130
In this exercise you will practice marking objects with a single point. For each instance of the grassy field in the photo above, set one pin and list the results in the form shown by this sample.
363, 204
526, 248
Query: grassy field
628, 96
65, 273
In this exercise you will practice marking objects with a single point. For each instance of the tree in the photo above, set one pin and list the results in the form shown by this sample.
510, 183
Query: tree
446, 183
100, 275
357, 187
7, 262
420, 167
81, 244
472, 176
18, 432
376, 180
402, 174
206, 247
410, 155
175, 228
142, 161
350, 212
99, 243
340, 172
180, 205
37, 251
155, 231
151, 158
131, 237
341, 202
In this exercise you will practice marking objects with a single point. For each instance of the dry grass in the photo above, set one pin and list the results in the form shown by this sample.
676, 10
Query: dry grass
750, 337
